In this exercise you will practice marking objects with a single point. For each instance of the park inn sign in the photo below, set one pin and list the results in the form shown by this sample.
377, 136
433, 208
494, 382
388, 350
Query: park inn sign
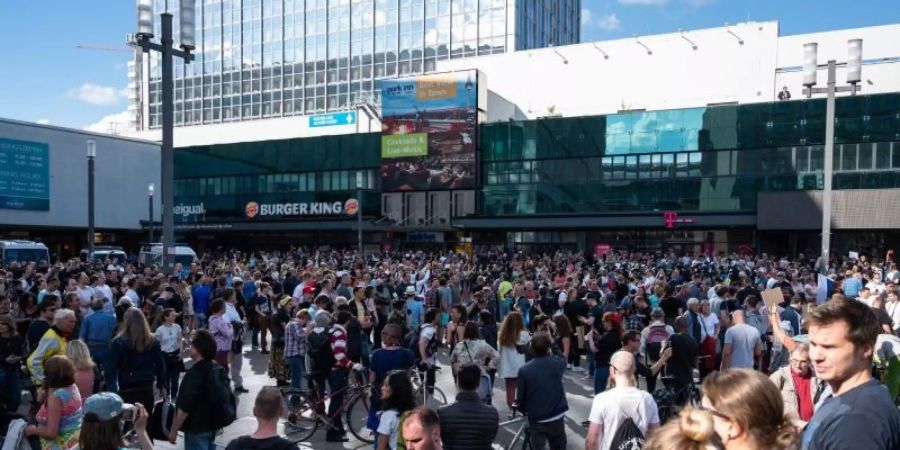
348, 207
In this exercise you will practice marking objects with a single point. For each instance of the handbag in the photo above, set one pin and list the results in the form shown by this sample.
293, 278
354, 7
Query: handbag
484, 386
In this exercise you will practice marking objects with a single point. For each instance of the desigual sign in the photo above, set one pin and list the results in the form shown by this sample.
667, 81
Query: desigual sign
189, 210
348, 207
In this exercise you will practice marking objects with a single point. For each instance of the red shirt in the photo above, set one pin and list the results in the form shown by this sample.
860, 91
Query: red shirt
803, 387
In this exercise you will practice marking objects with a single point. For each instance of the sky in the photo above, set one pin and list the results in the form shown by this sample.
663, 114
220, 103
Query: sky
45, 78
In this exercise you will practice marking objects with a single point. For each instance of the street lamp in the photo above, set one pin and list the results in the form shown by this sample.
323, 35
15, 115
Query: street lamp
91, 154
144, 40
151, 188
854, 76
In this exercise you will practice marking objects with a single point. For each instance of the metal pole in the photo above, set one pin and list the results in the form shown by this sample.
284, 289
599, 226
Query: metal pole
151, 218
168, 152
90, 235
359, 221
829, 164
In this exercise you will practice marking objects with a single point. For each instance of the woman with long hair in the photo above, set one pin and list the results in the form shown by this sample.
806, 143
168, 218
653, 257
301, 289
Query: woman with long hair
103, 423
170, 338
78, 352
748, 412
691, 430
512, 340
137, 359
12, 352
59, 418
456, 327
397, 398
603, 345
278, 368
474, 350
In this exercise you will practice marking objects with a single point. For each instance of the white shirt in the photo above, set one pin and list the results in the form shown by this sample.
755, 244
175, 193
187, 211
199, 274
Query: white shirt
85, 294
298, 291
388, 425
893, 310
231, 313
168, 337
610, 407
708, 325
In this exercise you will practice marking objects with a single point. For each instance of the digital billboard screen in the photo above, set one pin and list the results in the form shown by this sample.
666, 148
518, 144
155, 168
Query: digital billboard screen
24, 175
428, 132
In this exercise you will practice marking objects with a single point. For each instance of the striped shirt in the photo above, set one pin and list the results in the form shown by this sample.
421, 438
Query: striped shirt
339, 347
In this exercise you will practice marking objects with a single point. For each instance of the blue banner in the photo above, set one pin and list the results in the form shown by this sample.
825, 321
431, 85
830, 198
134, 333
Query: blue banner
333, 119
24, 175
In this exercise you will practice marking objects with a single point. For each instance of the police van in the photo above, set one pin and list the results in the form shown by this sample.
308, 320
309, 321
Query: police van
115, 254
24, 251
152, 254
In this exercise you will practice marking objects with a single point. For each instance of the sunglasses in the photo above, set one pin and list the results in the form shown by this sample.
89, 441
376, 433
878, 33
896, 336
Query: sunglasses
713, 412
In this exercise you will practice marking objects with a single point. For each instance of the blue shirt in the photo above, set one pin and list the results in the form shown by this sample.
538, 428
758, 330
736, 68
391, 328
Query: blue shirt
416, 310
249, 289
863, 418
201, 296
852, 287
98, 328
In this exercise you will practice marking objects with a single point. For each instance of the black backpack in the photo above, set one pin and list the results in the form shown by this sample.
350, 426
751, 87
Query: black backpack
411, 342
224, 410
628, 436
321, 356
248, 443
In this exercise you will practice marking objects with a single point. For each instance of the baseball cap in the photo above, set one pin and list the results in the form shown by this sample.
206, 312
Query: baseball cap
103, 405
410, 290
309, 289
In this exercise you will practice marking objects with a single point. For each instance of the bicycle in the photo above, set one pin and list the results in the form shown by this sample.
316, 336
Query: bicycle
306, 411
436, 399
523, 432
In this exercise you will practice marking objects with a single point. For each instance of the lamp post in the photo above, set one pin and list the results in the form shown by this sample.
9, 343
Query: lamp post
359, 187
151, 188
143, 39
91, 154
854, 76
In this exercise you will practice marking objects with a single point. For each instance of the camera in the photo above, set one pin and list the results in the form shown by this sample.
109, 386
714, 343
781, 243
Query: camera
127, 412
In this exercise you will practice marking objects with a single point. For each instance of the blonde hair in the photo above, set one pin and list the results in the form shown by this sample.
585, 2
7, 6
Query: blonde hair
750, 399
78, 352
691, 430
136, 330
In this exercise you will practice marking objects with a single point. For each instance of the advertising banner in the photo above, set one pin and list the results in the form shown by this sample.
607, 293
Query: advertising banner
24, 175
428, 132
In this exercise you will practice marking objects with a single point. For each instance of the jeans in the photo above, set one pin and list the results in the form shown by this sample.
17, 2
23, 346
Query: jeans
201, 320
601, 376
200, 441
589, 356
101, 355
236, 362
337, 381
298, 370
553, 433
12, 388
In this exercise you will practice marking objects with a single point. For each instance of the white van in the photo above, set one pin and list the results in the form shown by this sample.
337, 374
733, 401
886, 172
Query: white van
152, 254
104, 252
24, 251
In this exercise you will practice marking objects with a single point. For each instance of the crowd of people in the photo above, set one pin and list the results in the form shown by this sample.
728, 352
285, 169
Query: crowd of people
683, 351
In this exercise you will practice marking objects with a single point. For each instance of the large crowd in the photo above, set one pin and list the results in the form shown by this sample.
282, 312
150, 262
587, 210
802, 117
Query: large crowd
684, 351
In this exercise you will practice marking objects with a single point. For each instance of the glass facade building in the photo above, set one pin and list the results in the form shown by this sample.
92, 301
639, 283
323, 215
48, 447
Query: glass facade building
259, 59
712, 159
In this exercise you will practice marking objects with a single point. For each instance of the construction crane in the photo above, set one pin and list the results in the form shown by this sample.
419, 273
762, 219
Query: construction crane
104, 48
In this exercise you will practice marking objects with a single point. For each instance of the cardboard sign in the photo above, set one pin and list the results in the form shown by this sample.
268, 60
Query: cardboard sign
772, 298
854, 255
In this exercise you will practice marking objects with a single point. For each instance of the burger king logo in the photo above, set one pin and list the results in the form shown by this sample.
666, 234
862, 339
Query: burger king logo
351, 206
252, 209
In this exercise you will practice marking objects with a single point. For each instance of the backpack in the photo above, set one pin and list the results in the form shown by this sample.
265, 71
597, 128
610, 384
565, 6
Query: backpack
160, 422
321, 357
628, 436
401, 443
224, 411
657, 335
411, 342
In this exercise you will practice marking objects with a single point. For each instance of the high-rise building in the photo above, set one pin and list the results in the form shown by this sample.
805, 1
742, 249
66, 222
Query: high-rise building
258, 59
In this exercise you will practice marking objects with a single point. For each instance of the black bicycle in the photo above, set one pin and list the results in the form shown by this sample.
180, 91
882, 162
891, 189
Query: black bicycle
670, 399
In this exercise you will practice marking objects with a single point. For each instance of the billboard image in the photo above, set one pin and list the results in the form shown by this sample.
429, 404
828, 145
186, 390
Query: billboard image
428, 132
24, 175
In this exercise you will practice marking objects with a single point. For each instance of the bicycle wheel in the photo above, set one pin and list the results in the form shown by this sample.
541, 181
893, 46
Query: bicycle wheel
357, 416
302, 419
434, 400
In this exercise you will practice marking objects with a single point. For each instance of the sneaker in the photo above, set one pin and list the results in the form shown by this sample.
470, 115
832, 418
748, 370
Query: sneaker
587, 377
264, 352
568, 367
241, 390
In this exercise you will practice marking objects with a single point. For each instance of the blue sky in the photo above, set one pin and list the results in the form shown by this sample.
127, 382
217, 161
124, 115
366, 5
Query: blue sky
44, 76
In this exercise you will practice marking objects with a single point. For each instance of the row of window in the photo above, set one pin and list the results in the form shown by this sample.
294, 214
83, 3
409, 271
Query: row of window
342, 180
784, 160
